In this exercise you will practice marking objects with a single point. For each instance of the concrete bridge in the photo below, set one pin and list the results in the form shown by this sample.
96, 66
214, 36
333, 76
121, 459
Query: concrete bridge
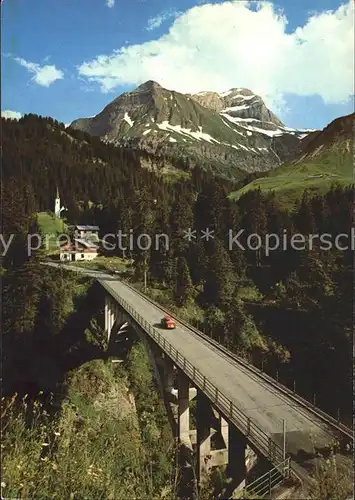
242, 415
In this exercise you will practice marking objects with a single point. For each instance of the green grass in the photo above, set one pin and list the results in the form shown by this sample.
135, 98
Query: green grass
290, 181
50, 226
172, 176
92, 448
102, 263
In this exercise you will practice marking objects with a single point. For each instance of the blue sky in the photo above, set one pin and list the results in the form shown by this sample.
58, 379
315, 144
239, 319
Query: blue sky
69, 58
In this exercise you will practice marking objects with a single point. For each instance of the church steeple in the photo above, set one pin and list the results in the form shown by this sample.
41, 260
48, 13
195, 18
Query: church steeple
57, 209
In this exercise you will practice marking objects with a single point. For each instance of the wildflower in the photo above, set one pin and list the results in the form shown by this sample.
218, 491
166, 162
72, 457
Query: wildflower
54, 466
3, 484
45, 444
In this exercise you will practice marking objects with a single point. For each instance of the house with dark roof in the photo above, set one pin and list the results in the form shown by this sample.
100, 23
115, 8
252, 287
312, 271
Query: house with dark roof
87, 232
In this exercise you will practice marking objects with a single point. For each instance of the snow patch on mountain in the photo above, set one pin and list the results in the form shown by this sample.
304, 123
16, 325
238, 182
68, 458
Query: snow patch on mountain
242, 122
128, 119
224, 94
180, 130
270, 133
245, 97
235, 108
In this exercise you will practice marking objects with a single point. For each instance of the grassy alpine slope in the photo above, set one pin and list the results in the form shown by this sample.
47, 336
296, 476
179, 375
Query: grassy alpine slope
325, 158
315, 174
50, 226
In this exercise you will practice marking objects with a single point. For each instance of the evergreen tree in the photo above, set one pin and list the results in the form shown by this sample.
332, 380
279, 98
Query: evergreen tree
211, 209
304, 219
220, 281
254, 222
181, 219
183, 287
160, 266
240, 329
196, 258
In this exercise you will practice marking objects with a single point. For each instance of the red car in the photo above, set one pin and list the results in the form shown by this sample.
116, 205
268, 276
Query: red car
168, 322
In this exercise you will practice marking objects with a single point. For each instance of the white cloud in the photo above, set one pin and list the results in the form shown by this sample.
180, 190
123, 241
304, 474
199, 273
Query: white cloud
157, 21
42, 75
12, 115
232, 44
110, 3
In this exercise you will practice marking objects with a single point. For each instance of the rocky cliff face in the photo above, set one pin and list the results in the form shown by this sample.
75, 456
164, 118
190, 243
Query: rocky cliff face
338, 137
229, 133
238, 103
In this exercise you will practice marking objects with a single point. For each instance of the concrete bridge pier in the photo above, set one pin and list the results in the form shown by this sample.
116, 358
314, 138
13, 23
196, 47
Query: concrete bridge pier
111, 314
203, 424
184, 410
114, 317
237, 458
210, 424
169, 376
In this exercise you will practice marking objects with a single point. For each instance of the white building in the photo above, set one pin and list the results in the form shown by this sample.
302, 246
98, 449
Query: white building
81, 249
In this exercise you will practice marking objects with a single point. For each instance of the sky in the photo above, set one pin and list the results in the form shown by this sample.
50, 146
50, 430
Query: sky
69, 58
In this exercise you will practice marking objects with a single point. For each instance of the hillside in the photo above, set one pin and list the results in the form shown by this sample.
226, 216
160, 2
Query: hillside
324, 158
44, 155
50, 226
229, 133
75, 425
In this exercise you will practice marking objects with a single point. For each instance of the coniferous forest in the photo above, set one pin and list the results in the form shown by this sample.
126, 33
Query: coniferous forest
289, 312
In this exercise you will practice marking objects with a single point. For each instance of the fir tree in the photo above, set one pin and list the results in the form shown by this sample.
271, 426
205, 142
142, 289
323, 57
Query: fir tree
219, 282
183, 287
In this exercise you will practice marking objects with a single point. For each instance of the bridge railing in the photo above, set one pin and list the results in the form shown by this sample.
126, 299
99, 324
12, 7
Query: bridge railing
336, 423
262, 441
263, 486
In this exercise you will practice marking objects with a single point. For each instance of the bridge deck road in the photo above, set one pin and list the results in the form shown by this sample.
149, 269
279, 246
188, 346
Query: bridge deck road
263, 403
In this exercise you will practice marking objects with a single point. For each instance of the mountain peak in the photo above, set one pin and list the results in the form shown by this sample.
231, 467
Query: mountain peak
149, 85
234, 128
237, 91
